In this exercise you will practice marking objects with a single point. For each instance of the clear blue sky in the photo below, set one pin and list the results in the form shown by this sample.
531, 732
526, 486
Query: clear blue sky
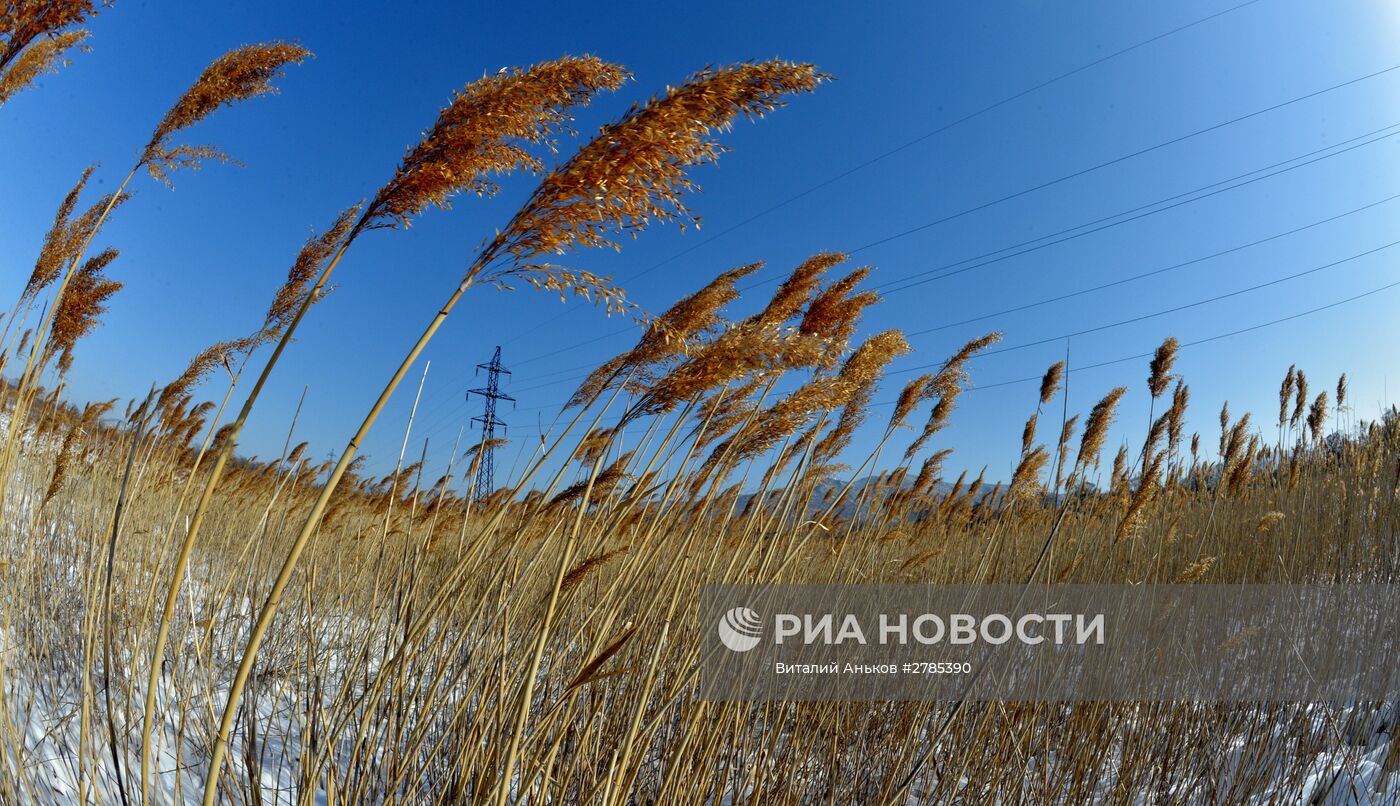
200, 262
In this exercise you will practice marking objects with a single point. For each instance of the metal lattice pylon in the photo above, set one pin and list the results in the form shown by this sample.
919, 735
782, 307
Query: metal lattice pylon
485, 474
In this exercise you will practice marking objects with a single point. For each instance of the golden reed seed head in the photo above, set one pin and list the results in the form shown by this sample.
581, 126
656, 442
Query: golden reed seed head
1156, 432
1234, 443
945, 385
1195, 572
1285, 394
834, 313
1062, 450
576, 576
484, 133
79, 425
1028, 432
865, 366
45, 56
1161, 366
1026, 479
929, 472
740, 352
22, 21
175, 411
977, 483
1301, 389
796, 290
210, 358
1136, 515
1051, 382
67, 237
1067, 432
1242, 470
851, 390
484, 445
1096, 428
672, 334
18, 17
86, 224
285, 304
634, 171
957, 486
66, 451
777, 422
1120, 479
84, 300
1224, 425
58, 243
735, 354
632, 174
695, 316
857, 380
1176, 415
600, 379
308, 264
987, 502
724, 410
909, 397
604, 483
744, 353
223, 437
1341, 391
592, 447
1317, 416
242, 73
937, 419
1268, 521
953, 376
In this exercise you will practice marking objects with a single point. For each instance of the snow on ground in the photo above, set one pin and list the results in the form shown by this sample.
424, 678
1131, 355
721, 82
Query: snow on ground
1351, 773
47, 711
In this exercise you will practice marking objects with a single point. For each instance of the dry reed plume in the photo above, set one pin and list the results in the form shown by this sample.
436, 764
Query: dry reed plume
35, 35
238, 75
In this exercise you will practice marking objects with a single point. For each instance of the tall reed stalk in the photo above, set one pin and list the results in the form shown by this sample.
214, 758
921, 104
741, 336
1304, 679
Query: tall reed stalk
623, 178
464, 147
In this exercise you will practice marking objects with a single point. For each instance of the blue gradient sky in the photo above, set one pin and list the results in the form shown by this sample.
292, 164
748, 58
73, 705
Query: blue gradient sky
200, 262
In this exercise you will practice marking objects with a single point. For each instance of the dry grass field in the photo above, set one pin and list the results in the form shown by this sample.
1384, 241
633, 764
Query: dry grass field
180, 623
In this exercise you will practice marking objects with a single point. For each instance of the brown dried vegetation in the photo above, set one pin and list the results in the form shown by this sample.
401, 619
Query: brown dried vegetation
531, 643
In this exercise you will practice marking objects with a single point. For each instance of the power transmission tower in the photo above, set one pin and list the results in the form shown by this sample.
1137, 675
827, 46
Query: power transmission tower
485, 474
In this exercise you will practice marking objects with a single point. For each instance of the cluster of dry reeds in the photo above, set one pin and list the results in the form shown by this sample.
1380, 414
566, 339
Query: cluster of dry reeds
208, 626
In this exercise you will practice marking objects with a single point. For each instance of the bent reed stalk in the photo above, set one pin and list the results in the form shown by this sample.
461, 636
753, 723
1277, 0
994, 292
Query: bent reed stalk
557, 217
456, 154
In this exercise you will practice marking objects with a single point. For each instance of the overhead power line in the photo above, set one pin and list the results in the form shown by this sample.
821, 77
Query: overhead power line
581, 371
858, 167
1155, 314
1072, 370
1131, 320
944, 128
1155, 272
1138, 213
1080, 230
1197, 342
1119, 160
1187, 344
